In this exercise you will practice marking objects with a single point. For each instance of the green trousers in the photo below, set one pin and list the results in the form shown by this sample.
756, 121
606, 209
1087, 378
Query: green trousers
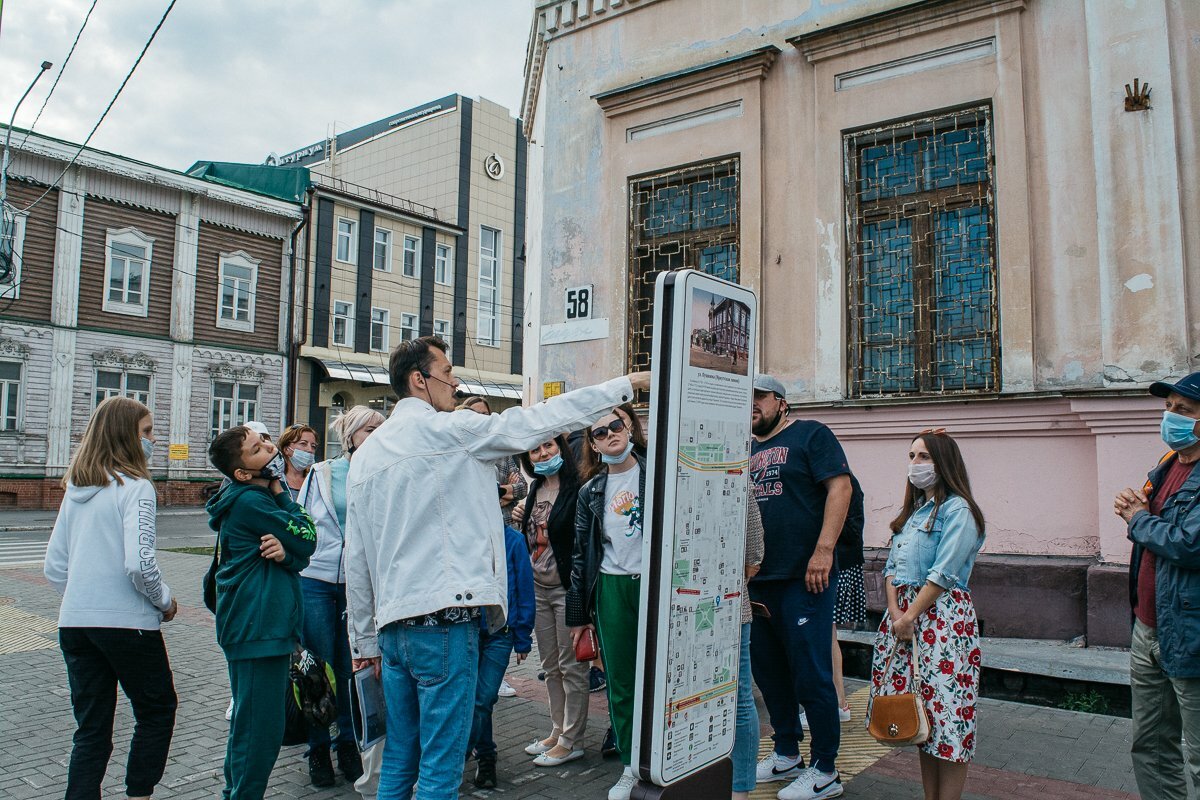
617, 599
256, 730
1165, 710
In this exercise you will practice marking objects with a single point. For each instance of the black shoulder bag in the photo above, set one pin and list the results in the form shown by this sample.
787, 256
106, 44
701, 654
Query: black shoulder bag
210, 579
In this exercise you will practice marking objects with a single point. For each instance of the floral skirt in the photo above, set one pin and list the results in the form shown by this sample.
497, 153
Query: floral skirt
948, 658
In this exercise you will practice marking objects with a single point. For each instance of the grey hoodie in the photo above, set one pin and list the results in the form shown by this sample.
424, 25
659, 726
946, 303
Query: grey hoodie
101, 557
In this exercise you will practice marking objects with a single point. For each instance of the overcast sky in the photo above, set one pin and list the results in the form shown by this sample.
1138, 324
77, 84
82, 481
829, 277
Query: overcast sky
233, 80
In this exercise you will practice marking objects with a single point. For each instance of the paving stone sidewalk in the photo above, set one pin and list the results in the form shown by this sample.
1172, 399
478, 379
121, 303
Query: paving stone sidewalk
1024, 751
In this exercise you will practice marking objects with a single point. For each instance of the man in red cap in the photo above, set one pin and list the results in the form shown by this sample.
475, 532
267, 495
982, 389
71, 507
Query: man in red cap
1164, 590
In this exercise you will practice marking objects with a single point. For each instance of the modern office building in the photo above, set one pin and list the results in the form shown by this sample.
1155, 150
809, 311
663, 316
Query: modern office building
417, 227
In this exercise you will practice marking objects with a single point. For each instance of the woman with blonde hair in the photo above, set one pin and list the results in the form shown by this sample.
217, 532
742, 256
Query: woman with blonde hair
323, 583
298, 443
101, 559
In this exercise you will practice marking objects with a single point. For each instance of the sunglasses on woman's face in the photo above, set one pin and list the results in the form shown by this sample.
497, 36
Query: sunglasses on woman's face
601, 433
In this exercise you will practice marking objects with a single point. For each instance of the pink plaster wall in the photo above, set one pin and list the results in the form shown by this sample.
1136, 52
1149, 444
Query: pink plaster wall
1087, 196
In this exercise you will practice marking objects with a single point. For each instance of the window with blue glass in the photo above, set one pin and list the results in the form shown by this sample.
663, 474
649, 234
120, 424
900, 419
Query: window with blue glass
922, 258
686, 218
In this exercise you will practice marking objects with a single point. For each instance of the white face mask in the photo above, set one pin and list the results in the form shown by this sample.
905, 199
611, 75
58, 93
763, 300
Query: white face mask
922, 476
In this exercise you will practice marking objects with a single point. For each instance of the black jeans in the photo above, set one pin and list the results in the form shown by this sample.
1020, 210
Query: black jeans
97, 660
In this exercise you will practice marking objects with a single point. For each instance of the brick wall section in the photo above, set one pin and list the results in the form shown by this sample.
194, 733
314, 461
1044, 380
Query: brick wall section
31, 494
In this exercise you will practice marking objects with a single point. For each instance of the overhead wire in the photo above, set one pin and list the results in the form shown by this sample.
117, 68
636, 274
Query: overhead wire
108, 108
62, 68
406, 292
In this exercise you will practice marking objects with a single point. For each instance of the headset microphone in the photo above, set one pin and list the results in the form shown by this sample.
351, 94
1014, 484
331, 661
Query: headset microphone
439, 380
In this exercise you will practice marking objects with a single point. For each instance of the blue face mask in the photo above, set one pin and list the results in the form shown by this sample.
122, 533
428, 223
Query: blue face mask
550, 466
302, 460
147, 448
620, 457
1178, 431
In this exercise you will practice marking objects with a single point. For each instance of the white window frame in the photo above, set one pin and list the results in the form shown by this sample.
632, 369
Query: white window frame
243, 260
347, 339
441, 327
415, 249
443, 264
408, 322
487, 302
234, 410
130, 237
11, 289
12, 420
387, 250
351, 248
382, 324
123, 390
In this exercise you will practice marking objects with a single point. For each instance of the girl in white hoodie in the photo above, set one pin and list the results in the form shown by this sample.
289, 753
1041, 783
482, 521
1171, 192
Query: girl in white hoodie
101, 559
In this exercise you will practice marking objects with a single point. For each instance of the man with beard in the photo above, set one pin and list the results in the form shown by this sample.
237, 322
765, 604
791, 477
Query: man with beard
803, 486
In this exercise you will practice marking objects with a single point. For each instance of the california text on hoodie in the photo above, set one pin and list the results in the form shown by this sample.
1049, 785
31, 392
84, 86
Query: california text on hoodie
259, 607
101, 557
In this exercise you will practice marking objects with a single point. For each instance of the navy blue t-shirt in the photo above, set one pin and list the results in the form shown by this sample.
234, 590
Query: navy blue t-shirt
788, 470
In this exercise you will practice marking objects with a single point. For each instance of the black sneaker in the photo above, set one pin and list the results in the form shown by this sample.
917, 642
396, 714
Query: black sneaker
609, 748
485, 773
320, 768
349, 761
597, 680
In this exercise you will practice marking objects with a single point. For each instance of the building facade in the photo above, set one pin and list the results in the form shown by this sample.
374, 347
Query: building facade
130, 279
417, 228
955, 214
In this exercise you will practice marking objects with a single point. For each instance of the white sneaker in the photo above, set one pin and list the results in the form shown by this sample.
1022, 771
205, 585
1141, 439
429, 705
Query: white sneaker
813, 785
778, 768
624, 785
506, 690
844, 714
229, 711
538, 747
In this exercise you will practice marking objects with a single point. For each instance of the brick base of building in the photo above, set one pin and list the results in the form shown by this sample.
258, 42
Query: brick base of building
33, 494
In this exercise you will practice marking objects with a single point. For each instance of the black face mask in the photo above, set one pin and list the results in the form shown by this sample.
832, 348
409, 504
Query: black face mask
764, 427
275, 469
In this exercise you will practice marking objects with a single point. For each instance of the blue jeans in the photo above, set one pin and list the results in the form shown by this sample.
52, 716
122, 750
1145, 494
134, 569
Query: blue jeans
429, 676
745, 742
325, 635
792, 655
495, 649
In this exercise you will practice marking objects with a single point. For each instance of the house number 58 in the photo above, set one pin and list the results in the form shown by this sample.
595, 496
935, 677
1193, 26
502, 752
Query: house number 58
579, 302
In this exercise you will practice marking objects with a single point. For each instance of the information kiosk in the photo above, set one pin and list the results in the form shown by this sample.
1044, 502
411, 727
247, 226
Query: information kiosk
685, 704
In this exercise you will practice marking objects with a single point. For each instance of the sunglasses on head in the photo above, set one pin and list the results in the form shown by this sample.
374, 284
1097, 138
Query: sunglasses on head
934, 431
601, 433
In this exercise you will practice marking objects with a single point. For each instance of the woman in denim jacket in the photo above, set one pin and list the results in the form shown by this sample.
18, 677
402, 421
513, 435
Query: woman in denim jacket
935, 540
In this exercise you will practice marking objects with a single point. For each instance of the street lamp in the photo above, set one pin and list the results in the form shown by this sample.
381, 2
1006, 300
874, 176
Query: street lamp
5, 224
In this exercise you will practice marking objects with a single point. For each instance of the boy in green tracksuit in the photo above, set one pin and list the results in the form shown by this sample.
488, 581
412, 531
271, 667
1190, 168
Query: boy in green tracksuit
266, 539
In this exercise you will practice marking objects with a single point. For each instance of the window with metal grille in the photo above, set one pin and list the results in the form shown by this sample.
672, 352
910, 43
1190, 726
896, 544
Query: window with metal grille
922, 257
685, 218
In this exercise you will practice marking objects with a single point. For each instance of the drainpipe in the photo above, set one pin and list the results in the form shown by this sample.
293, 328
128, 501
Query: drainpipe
293, 345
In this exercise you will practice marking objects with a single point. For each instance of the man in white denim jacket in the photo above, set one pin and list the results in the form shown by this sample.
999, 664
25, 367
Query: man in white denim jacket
425, 553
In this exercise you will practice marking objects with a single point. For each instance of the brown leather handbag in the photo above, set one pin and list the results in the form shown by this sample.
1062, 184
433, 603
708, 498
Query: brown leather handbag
900, 719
